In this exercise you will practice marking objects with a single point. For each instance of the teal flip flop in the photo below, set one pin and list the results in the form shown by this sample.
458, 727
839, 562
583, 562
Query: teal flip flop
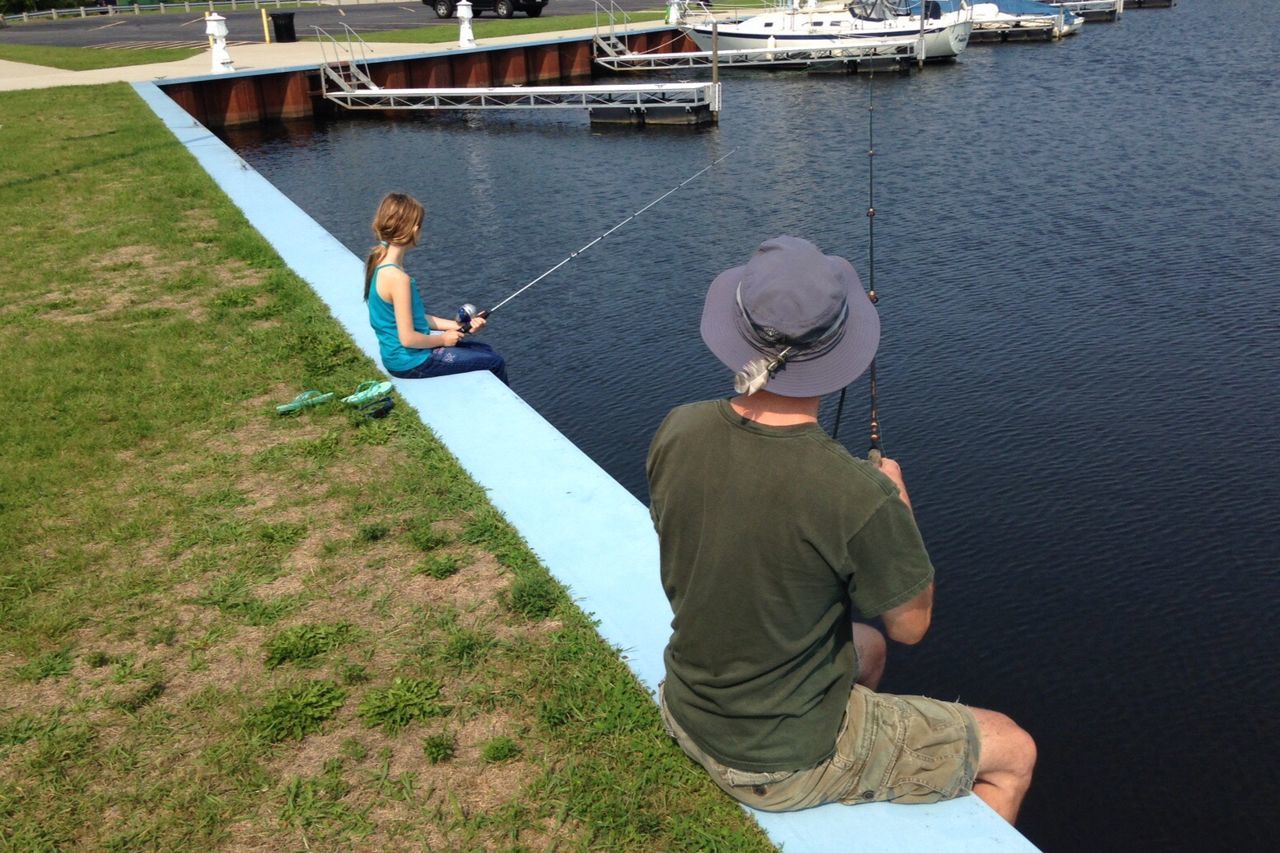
305, 400
367, 392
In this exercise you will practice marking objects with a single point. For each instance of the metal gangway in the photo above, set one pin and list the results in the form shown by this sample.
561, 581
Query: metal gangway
345, 81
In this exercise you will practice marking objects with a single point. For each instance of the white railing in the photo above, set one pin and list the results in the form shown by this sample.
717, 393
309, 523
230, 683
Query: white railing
1111, 8
349, 73
614, 14
186, 6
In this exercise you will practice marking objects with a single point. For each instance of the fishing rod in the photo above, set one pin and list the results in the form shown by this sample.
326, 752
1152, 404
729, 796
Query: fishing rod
468, 312
875, 452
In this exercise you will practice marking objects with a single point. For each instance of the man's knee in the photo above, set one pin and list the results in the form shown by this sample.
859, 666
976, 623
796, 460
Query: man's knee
1006, 747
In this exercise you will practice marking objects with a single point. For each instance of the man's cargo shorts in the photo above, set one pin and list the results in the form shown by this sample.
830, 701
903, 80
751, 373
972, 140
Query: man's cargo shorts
904, 749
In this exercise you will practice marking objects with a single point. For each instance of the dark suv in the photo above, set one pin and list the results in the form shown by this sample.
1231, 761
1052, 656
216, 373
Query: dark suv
501, 8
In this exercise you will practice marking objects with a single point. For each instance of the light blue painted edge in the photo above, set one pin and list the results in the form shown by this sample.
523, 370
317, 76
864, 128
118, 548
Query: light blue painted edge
589, 531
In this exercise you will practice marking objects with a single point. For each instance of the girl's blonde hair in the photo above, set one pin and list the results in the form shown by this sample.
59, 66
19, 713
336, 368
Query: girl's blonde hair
395, 223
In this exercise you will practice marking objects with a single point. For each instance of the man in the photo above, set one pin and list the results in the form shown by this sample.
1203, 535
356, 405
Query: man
770, 534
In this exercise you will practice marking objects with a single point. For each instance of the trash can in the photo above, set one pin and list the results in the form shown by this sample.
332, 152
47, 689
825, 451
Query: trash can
282, 24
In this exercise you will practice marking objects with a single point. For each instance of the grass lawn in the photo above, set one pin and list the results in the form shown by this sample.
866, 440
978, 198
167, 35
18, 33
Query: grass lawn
487, 29
224, 628
85, 59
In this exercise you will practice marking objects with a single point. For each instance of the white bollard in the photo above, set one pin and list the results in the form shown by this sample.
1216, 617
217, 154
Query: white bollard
216, 27
673, 12
465, 37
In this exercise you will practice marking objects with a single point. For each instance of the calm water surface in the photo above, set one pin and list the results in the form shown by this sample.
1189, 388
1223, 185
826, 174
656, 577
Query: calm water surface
1077, 248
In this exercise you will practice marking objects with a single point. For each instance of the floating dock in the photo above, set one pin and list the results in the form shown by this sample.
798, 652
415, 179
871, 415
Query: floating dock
346, 83
1013, 32
650, 103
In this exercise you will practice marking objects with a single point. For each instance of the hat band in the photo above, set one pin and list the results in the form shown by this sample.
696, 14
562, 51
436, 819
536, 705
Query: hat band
767, 340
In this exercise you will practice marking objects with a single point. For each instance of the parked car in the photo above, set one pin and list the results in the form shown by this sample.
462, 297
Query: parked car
501, 8
102, 5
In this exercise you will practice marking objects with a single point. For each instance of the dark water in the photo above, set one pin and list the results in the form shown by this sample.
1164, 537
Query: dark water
1077, 248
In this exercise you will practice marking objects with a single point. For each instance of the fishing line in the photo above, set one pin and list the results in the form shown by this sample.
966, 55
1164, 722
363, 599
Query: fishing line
875, 451
468, 312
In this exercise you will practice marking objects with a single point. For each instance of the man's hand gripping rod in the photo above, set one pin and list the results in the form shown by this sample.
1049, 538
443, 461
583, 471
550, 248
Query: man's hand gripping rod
468, 311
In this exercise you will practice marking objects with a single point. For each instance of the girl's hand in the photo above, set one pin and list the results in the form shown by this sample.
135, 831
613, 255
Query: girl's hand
451, 337
477, 323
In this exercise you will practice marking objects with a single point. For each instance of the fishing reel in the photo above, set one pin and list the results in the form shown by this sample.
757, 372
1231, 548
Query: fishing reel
466, 314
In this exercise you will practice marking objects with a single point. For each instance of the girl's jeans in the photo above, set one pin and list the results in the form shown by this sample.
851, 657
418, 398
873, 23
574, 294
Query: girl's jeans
466, 356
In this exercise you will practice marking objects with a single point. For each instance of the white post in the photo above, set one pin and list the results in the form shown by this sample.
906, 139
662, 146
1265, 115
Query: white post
673, 12
465, 37
54, 14
216, 27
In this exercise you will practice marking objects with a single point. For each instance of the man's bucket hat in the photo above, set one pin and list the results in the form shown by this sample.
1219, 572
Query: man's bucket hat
790, 300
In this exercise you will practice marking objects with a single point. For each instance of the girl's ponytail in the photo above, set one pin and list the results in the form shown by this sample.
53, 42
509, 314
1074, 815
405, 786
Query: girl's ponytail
376, 254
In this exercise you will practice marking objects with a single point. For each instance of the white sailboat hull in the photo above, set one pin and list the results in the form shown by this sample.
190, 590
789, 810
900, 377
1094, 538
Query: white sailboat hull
820, 29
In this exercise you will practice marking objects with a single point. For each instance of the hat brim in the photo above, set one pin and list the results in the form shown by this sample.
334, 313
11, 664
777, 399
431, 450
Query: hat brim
825, 374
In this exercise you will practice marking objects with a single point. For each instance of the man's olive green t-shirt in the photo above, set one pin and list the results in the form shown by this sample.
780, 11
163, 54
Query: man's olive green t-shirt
769, 538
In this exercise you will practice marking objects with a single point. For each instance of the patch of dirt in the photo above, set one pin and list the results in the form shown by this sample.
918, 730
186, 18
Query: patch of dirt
230, 663
37, 698
234, 272
474, 589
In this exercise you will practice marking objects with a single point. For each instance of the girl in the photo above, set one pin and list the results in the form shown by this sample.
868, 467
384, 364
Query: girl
414, 344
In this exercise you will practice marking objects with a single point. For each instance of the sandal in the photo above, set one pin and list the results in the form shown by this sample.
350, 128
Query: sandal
367, 392
378, 408
305, 400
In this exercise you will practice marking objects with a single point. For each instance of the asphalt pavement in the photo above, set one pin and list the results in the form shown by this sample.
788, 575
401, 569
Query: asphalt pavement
177, 28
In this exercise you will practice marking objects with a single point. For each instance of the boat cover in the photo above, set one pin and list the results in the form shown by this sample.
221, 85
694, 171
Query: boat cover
1028, 7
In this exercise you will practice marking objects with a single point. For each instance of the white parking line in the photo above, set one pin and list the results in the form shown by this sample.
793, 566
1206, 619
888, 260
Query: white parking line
108, 26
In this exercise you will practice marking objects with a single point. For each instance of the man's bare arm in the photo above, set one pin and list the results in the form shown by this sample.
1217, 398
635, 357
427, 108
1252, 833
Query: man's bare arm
909, 622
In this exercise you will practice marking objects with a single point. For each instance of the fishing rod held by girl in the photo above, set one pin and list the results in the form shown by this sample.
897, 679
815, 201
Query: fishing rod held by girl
467, 313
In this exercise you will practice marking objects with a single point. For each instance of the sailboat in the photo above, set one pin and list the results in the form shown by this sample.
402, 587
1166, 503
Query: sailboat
943, 28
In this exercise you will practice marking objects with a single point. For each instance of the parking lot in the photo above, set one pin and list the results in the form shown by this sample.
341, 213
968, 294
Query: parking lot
178, 28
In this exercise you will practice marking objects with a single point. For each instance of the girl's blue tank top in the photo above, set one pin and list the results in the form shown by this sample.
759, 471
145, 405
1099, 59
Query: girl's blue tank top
382, 316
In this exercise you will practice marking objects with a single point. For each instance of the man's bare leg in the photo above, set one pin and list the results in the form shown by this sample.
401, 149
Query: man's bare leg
870, 646
1008, 755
